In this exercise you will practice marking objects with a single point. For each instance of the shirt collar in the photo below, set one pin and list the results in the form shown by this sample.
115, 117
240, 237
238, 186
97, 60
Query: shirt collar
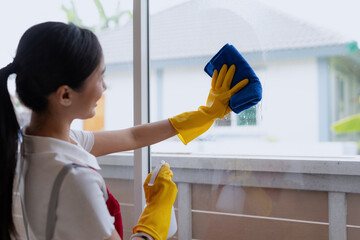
69, 151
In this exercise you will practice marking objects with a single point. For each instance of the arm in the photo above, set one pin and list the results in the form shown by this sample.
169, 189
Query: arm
187, 126
190, 125
106, 142
114, 236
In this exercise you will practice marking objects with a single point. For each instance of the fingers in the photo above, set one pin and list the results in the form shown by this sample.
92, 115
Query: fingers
165, 172
228, 78
147, 180
223, 80
214, 78
165, 169
221, 77
239, 86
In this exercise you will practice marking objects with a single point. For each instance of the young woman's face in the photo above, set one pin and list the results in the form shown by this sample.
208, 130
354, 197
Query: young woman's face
86, 99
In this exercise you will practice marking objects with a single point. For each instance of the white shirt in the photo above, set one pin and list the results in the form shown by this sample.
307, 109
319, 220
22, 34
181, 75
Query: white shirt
81, 212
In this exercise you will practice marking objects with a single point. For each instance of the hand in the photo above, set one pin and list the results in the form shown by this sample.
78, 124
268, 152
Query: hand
217, 104
190, 125
163, 187
155, 219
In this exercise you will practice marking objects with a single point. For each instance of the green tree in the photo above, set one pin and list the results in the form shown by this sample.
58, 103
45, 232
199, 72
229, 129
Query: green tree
72, 15
105, 20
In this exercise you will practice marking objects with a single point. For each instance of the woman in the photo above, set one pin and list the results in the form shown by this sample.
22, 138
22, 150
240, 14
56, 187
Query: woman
59, 75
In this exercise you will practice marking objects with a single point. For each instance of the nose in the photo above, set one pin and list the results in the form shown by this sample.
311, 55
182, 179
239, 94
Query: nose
104, 86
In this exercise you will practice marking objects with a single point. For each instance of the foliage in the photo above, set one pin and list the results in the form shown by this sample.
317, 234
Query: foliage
105, 21
349, 124
72, 15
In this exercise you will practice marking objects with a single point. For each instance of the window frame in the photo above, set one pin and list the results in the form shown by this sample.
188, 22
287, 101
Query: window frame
142, 157
141, 97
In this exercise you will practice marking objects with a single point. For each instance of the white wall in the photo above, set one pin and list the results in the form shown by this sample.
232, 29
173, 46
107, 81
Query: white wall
289, 110
185, 89
289, 107
290, 100
290, 97
119, 100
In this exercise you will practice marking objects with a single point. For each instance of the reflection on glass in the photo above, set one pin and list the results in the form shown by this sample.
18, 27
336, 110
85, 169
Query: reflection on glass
264, 173
298, 62
247, 117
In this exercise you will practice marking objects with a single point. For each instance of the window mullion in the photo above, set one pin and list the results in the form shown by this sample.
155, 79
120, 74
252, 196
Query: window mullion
141, 97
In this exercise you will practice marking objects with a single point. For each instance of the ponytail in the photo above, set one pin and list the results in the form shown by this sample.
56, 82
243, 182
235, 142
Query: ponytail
9, 128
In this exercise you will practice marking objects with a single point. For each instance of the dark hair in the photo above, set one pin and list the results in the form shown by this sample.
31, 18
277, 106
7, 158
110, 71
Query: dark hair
49, 55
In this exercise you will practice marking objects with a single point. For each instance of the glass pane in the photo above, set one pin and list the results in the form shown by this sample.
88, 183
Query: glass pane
308, 69
115, 109
113, 30
257, 174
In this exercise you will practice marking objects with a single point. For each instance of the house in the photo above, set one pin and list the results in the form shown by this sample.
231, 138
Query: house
310, 76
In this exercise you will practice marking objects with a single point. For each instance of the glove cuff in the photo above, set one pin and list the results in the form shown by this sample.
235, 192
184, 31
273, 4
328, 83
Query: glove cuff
145, 229
142, 235
190, 125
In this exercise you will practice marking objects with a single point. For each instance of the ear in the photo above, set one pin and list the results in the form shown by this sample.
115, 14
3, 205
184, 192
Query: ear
63, 95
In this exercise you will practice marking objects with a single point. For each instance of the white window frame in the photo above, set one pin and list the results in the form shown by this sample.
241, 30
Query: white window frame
141, 97
141, 115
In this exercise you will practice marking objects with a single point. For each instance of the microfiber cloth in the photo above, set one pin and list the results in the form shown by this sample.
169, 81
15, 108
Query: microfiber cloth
251, 94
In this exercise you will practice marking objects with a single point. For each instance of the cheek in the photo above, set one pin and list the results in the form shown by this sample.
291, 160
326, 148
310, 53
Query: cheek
99, 92
96, 93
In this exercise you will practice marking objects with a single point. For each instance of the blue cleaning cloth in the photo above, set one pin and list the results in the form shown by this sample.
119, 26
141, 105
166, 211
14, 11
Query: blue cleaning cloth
251, 94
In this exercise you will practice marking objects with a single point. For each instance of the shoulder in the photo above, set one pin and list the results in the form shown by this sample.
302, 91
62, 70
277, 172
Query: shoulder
84, 138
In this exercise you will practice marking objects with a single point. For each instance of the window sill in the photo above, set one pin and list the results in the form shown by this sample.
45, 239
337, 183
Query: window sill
303, 173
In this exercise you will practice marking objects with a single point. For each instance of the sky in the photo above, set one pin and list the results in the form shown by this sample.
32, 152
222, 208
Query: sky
18, 15
338, 15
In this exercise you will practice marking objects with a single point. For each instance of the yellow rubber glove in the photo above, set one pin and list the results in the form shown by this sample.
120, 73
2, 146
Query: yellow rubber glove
190, 125
155, 219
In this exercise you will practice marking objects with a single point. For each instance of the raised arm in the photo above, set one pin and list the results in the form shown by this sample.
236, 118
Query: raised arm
107, 142
187, 125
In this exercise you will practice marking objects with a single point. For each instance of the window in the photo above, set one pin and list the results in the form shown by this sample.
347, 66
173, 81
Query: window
276, 170
296, 72
248, 170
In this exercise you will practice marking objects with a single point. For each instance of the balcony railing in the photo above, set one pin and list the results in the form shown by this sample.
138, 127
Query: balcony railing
222, 197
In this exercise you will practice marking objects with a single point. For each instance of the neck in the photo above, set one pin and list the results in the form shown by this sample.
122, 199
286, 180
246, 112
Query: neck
47, 125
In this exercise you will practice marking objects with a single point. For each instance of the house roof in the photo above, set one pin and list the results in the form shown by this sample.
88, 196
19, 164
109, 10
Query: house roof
198, 29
